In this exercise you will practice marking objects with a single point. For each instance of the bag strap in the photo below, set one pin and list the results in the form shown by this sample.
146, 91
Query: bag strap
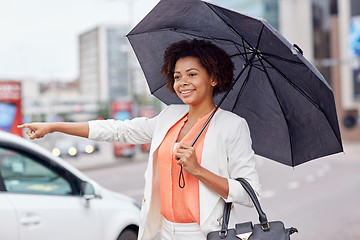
225, 222
262, 216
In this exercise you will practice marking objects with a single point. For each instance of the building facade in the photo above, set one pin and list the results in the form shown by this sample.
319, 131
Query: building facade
104, 63
329, 33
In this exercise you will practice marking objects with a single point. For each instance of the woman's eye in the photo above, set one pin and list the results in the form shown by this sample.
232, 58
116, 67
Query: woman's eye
176, 77
192, 74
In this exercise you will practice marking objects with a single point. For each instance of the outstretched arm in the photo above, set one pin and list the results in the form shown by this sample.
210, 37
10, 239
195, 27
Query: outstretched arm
39, 130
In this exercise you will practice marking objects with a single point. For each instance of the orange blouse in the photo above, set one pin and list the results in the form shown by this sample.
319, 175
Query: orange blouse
180, 205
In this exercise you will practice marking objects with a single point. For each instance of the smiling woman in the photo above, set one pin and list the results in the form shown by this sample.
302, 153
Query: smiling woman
195, 70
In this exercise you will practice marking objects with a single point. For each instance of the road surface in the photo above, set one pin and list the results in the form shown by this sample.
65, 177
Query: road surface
321, 198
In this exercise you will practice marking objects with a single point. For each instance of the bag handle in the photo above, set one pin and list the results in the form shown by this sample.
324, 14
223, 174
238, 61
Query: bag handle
225, 222
262, 216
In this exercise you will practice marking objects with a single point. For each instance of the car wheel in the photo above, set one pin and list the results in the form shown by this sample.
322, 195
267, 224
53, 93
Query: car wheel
128, 234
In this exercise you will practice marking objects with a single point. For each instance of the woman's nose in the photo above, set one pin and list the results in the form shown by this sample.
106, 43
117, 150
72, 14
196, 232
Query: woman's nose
184, 81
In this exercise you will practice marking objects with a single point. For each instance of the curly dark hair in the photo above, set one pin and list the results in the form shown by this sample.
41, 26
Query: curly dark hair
215, 60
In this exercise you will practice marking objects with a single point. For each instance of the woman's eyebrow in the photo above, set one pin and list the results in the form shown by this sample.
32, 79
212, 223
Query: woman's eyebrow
188, 70
192, 69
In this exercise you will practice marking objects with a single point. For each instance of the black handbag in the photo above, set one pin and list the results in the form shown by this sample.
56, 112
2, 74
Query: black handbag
263, 231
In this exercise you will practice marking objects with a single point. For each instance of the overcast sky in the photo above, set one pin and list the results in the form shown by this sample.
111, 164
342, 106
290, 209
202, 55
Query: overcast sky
38, 38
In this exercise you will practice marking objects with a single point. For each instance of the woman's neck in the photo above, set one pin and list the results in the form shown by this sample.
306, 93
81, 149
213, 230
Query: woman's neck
197, 112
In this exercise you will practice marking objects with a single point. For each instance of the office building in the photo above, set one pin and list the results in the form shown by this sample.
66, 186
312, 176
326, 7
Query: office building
104, 63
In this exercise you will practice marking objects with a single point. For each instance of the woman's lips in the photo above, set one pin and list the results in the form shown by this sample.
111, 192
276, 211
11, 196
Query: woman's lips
186, 93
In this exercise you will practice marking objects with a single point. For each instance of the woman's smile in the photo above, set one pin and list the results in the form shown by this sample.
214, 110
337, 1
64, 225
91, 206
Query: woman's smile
186, 93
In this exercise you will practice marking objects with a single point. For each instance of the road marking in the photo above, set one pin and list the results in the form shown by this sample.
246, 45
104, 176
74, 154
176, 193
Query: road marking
310, 178
322, 171
293, 185
268, 194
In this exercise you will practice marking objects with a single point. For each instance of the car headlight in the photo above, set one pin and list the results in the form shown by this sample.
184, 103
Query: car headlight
56, 152
89, 148
72, 151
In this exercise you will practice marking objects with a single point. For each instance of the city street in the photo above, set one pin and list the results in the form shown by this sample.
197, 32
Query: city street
320, 198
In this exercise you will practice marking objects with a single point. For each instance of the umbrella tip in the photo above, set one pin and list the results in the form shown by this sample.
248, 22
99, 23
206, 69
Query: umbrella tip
296, 49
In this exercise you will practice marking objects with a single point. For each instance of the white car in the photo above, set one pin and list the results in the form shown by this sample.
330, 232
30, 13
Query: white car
44, 198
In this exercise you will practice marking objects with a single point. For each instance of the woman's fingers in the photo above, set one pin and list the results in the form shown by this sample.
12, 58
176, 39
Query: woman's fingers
34, 130
25, 125
185, 156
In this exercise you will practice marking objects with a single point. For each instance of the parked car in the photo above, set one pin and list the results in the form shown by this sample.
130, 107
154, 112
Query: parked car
44, 197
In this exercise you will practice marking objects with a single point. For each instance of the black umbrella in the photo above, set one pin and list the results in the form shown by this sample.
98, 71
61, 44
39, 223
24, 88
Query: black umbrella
287, 103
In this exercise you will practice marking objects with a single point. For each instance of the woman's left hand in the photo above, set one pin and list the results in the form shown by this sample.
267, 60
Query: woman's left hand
186, 157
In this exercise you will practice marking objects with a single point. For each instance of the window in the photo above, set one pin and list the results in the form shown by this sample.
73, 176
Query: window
23, 174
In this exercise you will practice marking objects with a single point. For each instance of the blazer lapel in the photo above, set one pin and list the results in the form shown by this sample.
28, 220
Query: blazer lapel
209, 198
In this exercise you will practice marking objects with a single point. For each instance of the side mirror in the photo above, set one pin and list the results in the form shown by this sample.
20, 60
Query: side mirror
88, 191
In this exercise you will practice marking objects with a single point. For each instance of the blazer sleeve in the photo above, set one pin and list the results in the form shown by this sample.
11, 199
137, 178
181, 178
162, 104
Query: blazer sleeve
241, 163
136, 131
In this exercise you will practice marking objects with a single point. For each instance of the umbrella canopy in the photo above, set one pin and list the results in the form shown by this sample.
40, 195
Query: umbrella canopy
287, 103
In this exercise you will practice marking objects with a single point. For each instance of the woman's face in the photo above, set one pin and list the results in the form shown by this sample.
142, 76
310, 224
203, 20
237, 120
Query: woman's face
192, 82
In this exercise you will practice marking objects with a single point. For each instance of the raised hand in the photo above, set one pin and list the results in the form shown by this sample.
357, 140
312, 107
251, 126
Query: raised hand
36, 130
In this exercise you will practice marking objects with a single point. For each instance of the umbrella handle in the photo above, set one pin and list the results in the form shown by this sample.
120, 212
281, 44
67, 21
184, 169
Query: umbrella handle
181, 175
181, 178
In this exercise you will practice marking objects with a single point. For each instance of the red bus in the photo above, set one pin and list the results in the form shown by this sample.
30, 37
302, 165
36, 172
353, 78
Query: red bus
10, 107
122, 110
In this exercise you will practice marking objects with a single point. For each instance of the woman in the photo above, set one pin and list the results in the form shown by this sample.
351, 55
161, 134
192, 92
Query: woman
195, 70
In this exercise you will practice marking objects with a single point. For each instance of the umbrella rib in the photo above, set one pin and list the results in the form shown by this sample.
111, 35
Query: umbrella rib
240, 54
293, 84
258, 41
157, 30
282, 110
153, 91
243, 42
204, 37
298, 89
282, 58
247, 50
235, 31
258, 67
242, 87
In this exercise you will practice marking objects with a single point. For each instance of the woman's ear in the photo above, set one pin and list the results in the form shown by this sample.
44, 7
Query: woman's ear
213, 82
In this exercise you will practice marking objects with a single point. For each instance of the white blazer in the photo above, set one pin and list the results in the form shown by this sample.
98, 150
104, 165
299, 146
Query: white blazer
226, 152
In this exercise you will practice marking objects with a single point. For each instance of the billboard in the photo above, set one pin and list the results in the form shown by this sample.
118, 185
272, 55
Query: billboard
10, 107
354, 44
